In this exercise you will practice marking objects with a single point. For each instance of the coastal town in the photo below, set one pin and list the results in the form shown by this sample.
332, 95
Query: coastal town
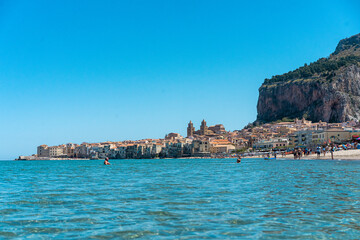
211, 141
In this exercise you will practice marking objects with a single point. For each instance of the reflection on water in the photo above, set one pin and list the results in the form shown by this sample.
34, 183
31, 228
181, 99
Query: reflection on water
180, 199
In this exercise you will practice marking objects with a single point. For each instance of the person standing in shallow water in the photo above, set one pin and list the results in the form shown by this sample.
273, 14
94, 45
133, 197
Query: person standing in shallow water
106, 162
332, 149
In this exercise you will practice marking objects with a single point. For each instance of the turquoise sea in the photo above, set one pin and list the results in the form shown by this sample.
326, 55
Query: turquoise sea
180, 199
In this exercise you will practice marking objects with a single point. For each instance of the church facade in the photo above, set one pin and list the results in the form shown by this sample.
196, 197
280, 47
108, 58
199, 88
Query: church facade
205, 130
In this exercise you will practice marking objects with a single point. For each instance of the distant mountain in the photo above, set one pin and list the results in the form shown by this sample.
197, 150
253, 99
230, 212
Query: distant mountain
327, 90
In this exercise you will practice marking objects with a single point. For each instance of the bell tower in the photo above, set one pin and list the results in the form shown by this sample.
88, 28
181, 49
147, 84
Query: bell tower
190, 129
203, 128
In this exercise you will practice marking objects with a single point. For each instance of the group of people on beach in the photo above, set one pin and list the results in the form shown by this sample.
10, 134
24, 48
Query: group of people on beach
326, 149
298, 152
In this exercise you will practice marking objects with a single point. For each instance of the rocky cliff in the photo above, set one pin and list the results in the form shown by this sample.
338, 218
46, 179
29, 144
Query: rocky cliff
326, 90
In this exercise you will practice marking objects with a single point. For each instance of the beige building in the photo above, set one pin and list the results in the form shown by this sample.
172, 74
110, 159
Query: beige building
221, 146
272, 143
201, 146
318, 138
217, 148
70, 149
337, 135
43, 151
286, 130
217, 129
173, 136
302, 122
56, 151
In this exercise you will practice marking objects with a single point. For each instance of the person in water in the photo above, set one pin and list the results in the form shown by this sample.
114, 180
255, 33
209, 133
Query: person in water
332, 149
238, 160
318, 151
106, 162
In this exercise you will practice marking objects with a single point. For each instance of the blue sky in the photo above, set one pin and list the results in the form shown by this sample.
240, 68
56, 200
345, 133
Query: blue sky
75, 71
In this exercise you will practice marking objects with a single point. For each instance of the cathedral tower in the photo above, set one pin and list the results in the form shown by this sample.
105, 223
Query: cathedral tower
190, 129
203, 128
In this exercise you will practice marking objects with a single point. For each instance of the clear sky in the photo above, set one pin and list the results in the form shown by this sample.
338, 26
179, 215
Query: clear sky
91, 71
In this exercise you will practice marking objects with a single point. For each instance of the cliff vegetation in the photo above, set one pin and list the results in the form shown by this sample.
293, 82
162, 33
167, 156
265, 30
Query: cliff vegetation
326, 90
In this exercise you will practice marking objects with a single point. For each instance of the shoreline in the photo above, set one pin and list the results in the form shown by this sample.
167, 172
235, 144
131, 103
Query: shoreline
351, 154
88, 159
55, 159
310, 157
320, 159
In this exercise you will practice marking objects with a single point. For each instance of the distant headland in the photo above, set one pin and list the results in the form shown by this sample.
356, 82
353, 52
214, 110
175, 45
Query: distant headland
326, 90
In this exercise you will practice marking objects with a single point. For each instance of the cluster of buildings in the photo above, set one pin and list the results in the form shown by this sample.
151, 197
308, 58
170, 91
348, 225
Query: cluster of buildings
206, 142
212, 141
302, 133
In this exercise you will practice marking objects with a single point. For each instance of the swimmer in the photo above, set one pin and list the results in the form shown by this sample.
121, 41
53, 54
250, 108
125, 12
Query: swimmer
238, 160
106, 162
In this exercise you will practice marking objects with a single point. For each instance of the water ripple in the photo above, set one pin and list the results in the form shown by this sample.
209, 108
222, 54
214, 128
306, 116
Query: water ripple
182, 199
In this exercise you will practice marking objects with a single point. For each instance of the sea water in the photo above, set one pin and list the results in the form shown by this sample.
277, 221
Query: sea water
180, 199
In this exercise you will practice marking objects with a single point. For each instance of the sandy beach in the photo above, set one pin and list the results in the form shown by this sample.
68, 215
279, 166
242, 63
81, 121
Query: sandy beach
352, 154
